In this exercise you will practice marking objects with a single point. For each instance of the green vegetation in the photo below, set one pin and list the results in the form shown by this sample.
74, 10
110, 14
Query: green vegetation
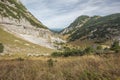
19, 59
70, 68
19, 46
57, 54
73, 63
50, 62
67, 53
18, 5
116, 46
90, 50
99, 29
1, 48
18, 11
80, 20
73, 52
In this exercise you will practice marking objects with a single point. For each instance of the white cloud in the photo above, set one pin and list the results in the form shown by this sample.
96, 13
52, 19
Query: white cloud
60, 13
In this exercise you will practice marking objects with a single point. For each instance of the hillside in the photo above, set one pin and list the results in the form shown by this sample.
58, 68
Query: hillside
13, 9
99, 29
17, 20
72, 68
15, 45
80, 21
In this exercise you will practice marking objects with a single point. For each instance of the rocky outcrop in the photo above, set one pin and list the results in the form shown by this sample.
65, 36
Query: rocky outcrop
23, 24
79, 22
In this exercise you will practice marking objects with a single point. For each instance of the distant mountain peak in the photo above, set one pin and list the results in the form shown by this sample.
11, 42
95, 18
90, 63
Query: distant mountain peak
96, 28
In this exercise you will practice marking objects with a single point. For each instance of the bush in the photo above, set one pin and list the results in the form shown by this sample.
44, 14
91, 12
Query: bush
99, 47
68, 52
1, 48
99, 50
72, 52
115, 46
19, 59
50, 62
66, 48
77, 52
89, 50
57, 54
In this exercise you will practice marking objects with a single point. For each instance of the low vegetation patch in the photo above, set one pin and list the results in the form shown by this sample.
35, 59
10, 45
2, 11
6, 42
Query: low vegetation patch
91, 67
94, 50
19, 59
116, 46
1, 48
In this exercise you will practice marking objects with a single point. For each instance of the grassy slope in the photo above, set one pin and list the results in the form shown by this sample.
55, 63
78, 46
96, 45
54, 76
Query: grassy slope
18, 11
99, 28
81, 44
79, 38
20, 46
80, 20
72, 68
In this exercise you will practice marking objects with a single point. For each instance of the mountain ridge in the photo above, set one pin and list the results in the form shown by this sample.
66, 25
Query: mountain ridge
16, 19
98, 28
13, 9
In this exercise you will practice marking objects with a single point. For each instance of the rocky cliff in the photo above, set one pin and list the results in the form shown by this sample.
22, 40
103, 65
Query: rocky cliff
18, 21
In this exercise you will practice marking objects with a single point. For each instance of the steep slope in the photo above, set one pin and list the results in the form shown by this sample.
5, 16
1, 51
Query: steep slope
17, 20
15, 45
99, 29
80, 21
15, 11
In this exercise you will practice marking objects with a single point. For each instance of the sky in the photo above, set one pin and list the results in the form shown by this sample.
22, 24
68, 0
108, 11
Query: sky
60, 13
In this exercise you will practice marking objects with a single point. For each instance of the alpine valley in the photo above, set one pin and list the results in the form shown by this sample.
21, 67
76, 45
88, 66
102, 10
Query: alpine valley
96, 29
18, 27
88, 49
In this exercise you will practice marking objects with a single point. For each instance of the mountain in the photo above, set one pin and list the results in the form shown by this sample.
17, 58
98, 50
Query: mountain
12, 11
97, 28
16, 45
57, 30
18, 21
76, 24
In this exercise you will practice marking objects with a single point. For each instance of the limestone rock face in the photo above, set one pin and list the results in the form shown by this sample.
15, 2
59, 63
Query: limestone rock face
79, 22
18, 21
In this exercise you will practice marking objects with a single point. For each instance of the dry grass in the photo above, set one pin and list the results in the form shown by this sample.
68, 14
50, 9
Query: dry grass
81, 44
71, 68
17, 45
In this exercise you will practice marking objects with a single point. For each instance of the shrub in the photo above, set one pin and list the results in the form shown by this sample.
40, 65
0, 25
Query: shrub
19, 59
72, 52
66, 48
57, 54
89, 50
99, 50
115, 46
99, 47
1, 48
50, 62
68, 52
